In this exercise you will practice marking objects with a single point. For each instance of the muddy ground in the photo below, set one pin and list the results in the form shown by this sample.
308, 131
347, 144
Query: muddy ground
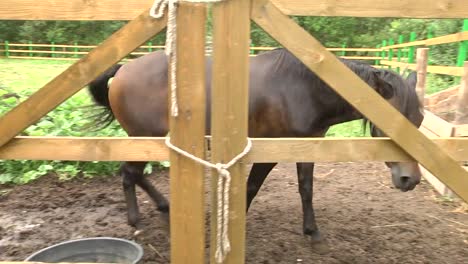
362, 217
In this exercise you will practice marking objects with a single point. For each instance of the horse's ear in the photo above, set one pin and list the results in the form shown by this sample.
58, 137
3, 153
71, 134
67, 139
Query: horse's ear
412, 79
383, 87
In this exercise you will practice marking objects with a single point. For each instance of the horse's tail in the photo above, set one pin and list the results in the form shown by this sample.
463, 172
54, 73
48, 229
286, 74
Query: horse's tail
99, 90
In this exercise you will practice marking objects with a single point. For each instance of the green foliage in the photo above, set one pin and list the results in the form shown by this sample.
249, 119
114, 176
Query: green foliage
21, 78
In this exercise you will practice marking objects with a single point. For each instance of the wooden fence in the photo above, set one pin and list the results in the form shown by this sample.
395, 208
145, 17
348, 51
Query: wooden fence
75, 52
187, 215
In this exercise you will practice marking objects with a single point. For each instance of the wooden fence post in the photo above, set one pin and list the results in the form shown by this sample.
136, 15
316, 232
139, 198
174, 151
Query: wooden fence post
187, 214
421, 68
390, 51
461, 114
231, 31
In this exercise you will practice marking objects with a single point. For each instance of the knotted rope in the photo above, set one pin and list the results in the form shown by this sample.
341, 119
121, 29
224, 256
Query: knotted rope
224, 176
223, 245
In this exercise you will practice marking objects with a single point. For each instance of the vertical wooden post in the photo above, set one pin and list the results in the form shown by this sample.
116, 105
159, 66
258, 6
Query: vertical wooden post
187, 215
461, 114
421, 69
231, 31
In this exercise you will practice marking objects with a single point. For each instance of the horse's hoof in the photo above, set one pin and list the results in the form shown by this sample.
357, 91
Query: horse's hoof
321, 247
319, 244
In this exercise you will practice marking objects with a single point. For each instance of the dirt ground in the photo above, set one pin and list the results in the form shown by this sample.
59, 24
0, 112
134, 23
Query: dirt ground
362, 217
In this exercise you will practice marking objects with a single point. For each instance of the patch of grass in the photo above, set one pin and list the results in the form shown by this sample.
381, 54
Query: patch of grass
24, 77
348, 129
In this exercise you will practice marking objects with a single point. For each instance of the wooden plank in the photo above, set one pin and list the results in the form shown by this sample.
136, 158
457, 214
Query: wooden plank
447, 70
368, 102
128, 10
354, 49
111, 51
72, 9
460, 130
187, 221
360, 57
407, 44
229, 116
376, 8
452, 38
263, 149
421, 69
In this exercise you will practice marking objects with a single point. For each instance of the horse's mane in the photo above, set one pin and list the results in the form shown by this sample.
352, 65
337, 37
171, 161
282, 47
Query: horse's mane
407, 100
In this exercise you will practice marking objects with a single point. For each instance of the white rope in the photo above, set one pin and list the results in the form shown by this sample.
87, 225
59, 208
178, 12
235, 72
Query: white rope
157, 11
223, 245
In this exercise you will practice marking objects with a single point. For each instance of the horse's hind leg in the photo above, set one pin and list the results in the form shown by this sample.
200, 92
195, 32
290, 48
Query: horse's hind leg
306, 184
161, 201
257, 176
132, 174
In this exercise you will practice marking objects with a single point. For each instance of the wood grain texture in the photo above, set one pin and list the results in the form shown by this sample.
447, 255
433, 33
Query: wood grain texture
375, 8
452, 38
447, 70
187, 216
421, 70
128, 10
263, 149
367, 101
229, 118
437, 125
74, 78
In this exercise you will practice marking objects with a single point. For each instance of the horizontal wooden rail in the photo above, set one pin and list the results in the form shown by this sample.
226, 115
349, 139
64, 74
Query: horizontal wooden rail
375, 8
128, 10
452, 38
360, 57
263, 149
447, 70
354, 49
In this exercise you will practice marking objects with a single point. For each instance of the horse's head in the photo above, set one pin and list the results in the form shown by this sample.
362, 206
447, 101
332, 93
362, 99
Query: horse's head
402, 95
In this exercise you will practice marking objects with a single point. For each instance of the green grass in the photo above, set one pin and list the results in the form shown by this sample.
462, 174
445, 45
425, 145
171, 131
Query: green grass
24, 77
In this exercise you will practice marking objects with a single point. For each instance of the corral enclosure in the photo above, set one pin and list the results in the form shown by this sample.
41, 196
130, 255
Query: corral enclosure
413, 142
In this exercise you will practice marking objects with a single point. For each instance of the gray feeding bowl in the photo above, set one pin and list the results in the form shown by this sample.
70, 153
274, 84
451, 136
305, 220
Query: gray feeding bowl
91, 250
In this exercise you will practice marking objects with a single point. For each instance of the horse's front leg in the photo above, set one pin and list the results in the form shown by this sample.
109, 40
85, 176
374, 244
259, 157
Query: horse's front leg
257, 176
305, 173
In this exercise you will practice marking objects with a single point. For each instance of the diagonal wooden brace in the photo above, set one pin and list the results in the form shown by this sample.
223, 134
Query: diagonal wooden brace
311, 52
73, 79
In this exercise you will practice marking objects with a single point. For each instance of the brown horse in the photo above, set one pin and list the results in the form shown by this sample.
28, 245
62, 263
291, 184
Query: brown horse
286, 99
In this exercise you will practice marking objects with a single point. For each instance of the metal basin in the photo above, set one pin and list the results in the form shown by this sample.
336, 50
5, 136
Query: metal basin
91, 250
